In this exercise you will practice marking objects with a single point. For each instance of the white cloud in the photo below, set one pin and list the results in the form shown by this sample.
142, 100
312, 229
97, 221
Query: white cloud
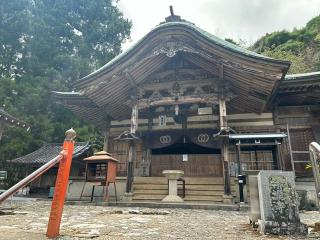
237, 19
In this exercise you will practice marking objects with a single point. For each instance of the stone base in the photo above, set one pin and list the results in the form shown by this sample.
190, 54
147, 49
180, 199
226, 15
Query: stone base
270, 227
228, 199
127, 197
172, 198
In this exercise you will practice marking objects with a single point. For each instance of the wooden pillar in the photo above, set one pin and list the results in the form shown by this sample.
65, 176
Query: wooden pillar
146, 171
225, 160
107, 135
134, 118
256, 159
238, 151
274, 158
130, 173
150, 119
222, 113
224, 126
132, 148
279, 156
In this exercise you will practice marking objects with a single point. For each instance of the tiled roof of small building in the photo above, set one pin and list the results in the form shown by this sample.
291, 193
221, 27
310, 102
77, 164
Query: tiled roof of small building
303, 76
50, 151
10, 120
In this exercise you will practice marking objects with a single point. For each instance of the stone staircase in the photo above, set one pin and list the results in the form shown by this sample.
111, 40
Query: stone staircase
198, 189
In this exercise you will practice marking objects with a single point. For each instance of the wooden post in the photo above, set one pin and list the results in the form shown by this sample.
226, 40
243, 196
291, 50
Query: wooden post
107, 135
238, 151
225, 140
134, 118
222, 113
225, 160
132, 148
61, 186
278, 154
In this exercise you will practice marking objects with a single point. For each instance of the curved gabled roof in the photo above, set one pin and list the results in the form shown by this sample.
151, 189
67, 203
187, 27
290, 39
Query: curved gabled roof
251, 76
187, 26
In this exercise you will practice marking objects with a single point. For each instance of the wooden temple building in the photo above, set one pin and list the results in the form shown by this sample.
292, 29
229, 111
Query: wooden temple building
183, 99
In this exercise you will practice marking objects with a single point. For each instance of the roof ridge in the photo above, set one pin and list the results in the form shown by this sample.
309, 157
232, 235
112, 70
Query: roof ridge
216, 40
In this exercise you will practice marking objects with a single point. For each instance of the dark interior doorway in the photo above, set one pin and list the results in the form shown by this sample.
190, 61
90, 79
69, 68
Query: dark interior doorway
185, 146
189, 148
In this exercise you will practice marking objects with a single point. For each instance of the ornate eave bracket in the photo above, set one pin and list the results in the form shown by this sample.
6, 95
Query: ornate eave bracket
171, 48
127, 137
224, 132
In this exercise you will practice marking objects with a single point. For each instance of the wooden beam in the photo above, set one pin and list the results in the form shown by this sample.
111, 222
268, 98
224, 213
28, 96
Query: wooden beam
222, 99
165, 101
134, 118
106, 134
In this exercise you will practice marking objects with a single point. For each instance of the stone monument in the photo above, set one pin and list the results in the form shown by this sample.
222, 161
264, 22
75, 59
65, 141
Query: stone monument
279, 204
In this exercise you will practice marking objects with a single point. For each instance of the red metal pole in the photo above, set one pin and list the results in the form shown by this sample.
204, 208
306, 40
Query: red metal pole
61, 186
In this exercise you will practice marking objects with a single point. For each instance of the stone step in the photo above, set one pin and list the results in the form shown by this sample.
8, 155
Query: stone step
159, 197
151, 191
204, 198
188, 180
150, 180
203, 189
187, 193
149, 197
138, 186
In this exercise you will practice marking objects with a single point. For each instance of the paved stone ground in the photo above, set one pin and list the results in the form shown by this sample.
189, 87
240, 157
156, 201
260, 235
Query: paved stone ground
95, 222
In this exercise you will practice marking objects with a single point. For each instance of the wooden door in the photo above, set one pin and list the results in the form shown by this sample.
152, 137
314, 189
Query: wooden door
198, 165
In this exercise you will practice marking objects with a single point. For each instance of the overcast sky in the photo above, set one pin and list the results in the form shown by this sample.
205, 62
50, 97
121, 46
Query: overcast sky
237, 19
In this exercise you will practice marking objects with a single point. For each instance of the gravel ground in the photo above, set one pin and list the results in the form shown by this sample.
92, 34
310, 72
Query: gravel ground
94, 222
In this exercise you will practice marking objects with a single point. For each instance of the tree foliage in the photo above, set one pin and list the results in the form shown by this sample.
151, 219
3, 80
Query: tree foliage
45, 45
300, 46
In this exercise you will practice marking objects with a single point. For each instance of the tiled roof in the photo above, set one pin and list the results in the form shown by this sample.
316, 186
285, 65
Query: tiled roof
50, 151
187, 25
8, 119
303, 76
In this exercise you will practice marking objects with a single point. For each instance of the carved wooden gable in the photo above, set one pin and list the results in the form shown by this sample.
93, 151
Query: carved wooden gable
179, 82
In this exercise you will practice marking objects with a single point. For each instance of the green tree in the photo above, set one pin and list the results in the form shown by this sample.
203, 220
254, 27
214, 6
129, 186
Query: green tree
45, 45
300, 46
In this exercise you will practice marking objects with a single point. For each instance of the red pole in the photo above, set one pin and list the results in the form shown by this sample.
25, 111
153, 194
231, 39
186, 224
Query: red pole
61, 186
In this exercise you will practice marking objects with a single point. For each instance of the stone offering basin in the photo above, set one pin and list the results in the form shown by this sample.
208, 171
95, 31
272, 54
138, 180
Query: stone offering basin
173, 174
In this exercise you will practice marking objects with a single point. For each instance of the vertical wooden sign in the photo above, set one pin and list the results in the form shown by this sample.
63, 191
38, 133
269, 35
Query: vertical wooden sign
61, 186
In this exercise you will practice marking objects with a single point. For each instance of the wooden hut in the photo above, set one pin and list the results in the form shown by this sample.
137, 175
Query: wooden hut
48, 151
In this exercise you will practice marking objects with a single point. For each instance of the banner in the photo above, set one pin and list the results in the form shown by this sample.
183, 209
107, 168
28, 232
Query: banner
165, 138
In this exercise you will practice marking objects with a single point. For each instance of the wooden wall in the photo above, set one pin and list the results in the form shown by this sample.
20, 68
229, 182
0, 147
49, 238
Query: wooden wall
198, 165
303, 123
